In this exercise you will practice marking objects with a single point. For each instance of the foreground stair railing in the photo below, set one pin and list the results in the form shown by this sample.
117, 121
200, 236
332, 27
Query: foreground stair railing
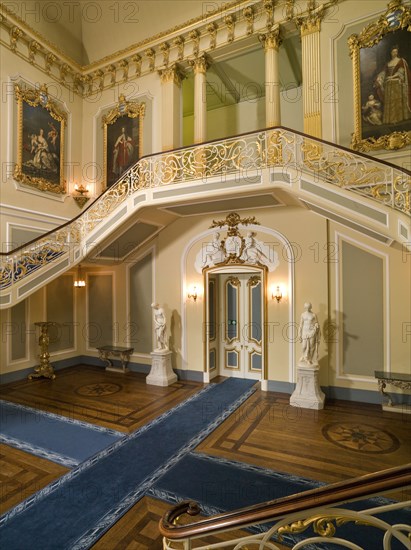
313, 513
281, 148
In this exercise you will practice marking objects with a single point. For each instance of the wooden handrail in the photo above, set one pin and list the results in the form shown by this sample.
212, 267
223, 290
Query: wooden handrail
162, 153
329, 495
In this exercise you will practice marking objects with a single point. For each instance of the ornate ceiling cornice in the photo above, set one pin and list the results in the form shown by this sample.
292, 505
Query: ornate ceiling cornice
235, 21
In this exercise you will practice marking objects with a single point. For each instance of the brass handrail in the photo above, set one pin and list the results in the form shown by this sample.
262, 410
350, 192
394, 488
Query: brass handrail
329, 495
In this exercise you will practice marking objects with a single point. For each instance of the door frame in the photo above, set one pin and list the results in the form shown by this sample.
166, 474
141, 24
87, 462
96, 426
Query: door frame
233, 269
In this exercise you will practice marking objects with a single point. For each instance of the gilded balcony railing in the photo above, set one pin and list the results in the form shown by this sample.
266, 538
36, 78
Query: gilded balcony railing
316, 519
291, 152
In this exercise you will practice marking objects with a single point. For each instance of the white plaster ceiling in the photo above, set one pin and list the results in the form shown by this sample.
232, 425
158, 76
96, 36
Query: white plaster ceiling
88, 31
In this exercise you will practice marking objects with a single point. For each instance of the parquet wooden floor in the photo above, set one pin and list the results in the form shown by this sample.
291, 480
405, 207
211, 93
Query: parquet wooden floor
22, 475
122, 402
344, 440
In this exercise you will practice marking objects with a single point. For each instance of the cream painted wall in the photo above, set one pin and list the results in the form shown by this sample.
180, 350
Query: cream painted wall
247, 116
302, 228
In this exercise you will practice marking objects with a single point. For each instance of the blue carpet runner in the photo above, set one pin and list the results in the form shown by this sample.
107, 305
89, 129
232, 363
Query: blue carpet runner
63, 440
221, 485
74, 511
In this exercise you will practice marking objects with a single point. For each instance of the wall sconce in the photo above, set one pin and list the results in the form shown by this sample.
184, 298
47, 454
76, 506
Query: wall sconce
192, 293
79, 281
278, 292
80, 193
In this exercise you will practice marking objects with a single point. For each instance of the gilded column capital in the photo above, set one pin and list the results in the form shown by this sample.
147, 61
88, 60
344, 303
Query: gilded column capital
271, 40
200, 64
174, 73
312, 22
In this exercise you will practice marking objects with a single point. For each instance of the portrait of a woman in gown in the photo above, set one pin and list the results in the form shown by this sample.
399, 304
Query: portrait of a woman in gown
393, 88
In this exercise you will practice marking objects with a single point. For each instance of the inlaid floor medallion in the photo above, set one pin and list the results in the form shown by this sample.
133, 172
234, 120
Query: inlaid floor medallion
360, 437
99, 390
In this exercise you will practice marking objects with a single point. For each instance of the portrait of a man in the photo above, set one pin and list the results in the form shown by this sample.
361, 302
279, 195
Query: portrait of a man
122, 147
123, 133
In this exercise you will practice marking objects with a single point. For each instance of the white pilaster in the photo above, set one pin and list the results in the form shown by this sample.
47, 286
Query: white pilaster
200, 99
271, 42
171, 116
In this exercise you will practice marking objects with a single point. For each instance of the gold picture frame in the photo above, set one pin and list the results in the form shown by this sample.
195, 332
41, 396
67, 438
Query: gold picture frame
123, 139
41, 127
381, 60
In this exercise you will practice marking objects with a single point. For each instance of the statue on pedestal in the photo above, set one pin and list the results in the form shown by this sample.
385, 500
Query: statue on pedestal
160, 328
307, 393
161, 372
309, 334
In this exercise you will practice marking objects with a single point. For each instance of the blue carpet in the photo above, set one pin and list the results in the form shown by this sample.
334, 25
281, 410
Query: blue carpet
77, 509
221, 485
47, 435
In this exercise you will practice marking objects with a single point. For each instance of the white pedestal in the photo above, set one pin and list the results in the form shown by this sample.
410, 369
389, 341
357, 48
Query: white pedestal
307, 393
161, 373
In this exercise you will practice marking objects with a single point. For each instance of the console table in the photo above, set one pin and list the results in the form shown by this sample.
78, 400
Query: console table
115, 351
397, 379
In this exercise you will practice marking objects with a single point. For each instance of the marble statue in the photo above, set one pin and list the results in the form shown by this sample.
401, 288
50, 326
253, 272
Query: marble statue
309, 335
160, 327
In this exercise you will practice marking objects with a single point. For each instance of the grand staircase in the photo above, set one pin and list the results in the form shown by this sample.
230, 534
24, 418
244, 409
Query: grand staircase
368, 195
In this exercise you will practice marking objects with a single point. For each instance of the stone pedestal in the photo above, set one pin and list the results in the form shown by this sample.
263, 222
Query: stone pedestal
307, 393
161, 373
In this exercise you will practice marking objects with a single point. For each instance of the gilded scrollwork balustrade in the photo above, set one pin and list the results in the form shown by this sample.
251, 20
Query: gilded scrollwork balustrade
242, 154
325, 527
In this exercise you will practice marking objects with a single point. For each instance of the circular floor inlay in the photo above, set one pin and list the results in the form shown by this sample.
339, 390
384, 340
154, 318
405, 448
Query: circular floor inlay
360, 437
98, 390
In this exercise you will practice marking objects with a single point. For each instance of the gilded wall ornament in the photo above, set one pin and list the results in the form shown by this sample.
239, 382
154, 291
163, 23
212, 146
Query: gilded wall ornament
15, 34
40, 140
165, 50
229, 21
248, 13
34, 47
179, 43
269, 13
195, 37
212, 31
381, 60
151, 56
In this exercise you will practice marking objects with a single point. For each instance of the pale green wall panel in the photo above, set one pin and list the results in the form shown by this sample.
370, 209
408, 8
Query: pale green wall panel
362, 311
18, 331
141, 290
100, 325
60, 309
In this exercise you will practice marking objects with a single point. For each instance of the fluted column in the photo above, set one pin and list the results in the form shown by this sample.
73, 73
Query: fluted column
200, 65
171, 116
310, 28
271, 43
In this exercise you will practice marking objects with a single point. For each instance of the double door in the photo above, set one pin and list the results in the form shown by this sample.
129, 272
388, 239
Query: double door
241, 325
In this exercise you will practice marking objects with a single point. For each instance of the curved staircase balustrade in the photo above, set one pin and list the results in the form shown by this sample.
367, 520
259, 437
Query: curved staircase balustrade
244, 155
295, 514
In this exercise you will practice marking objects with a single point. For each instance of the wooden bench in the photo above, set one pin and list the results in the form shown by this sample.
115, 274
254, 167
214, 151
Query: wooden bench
397, 379
115, 351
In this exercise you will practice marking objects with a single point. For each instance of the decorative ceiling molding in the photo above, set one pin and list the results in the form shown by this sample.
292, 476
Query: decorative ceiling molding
231, 23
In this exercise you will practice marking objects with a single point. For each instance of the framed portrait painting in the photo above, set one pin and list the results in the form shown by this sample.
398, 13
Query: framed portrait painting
381, 56
40, 140
123, 139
